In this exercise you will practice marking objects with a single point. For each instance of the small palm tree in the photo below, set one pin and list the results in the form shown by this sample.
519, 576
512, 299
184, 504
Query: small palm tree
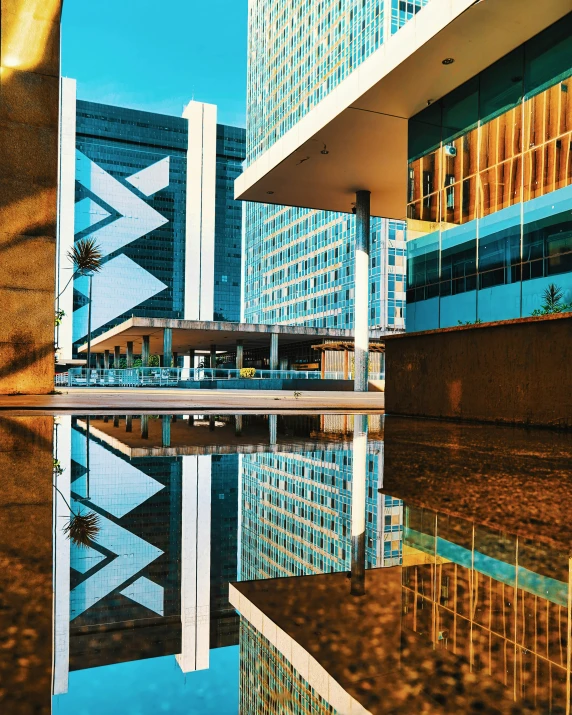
85, 256
552, 297
81, 529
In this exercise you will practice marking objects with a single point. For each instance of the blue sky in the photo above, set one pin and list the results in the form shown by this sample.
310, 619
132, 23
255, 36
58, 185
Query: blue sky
153, 687
157, 54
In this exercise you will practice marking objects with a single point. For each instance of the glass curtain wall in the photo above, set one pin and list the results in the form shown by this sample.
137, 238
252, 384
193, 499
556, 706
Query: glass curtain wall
490, 190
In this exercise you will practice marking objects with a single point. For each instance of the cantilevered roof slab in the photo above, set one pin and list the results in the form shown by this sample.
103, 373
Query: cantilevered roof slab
362, 123
199, 335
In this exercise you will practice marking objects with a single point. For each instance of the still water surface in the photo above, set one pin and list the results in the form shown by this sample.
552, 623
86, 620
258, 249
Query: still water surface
283, 564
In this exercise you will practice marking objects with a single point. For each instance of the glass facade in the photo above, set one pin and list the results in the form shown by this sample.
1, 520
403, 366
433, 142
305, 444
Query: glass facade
296, 515
230, 155
299, 262
299, 268
490, 190
130, 198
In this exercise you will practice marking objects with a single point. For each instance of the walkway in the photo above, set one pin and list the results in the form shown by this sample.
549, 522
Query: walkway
151, 401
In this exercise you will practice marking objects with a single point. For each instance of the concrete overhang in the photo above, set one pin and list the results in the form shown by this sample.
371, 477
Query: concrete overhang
199, 335
362, 123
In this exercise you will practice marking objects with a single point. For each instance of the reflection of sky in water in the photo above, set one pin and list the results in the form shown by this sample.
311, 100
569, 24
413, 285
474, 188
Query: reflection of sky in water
155, 685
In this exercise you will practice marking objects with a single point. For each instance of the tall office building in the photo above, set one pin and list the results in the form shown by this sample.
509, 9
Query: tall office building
299, 262
155, 193
467, 139
296, 514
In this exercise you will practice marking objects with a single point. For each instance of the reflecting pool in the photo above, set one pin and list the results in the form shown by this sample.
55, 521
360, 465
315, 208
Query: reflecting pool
283, 564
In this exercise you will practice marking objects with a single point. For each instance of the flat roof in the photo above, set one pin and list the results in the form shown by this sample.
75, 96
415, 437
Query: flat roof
201, 334
362, 123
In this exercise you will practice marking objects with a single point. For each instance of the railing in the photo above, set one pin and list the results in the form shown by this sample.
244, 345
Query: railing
173, 376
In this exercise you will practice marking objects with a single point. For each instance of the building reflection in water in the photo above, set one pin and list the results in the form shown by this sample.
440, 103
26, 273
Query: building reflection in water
178, 519
474, 620
299, 515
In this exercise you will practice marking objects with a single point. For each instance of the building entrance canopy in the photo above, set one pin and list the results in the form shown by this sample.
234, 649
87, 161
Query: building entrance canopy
201, 336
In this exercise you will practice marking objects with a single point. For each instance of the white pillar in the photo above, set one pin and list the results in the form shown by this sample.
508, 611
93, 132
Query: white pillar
361, 292
195, 564
66, 204
200, 221
274, 351
62, 516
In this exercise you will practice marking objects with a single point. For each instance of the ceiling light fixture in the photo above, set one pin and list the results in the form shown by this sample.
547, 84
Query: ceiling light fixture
270, 192
324, 150
448, 61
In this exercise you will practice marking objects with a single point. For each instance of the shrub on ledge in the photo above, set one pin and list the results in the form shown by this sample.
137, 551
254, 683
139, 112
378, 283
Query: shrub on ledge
247, 372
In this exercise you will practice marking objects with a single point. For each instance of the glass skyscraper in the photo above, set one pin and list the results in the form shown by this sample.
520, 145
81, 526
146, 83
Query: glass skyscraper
296, 514
299, 262
155, 193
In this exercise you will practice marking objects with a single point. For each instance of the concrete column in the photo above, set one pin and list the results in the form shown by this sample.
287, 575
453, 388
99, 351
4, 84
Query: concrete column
359, 472
213, 356
116, 420
144, 426
145, 351
274, 351
129, 353
273, 427
346, 364
191, 420
212, 424
100, 361
239, 354
106, 359
129, 423
361, 292
191, 358
166, 430
116, 356
167, 347
284, 363
238, 425
175, 358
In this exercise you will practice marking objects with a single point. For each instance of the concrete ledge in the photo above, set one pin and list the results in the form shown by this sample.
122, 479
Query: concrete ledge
181, 401
514, 371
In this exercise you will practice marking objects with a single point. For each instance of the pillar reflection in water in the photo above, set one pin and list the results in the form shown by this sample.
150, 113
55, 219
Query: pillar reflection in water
359, 471
166, 431
273, 427
238, 425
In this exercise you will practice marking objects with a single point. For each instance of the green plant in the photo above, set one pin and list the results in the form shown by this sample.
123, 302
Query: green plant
552, 296
85, 257
247, 372
59, 315
81, 529
478, 321
297, 394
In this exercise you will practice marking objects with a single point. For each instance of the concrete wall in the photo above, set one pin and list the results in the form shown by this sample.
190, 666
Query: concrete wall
512, 371
29, 104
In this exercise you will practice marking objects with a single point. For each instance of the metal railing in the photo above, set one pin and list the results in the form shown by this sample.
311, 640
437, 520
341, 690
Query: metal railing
174, 376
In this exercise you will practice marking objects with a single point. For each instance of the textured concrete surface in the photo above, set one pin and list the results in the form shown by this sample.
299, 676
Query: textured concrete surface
510, 478
29, 105
25, 565
82, 400
511, 371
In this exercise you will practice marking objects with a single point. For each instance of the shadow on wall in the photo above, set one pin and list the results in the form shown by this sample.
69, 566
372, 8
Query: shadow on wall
29, 106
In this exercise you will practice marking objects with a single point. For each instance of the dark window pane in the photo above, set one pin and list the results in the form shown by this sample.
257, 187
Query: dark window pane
502, 84
548, 56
